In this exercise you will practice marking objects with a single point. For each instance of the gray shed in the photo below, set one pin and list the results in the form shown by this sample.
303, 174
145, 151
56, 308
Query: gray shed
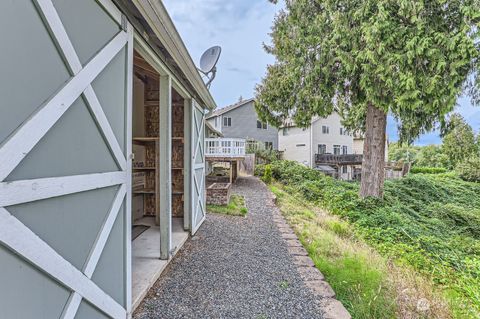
102, 164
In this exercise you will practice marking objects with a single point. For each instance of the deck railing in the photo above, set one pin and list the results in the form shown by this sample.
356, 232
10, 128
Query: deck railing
224, 147
351, 159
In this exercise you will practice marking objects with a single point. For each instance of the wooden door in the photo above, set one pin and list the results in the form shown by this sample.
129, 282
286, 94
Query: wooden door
198, 192
65, 165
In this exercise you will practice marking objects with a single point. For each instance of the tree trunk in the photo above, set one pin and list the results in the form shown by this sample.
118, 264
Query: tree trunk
373, 166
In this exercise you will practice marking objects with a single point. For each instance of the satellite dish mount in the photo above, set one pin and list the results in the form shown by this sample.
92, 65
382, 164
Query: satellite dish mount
208, 63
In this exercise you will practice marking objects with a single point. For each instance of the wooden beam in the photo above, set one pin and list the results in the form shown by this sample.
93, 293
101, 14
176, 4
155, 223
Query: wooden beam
127, 221
187, 164
165, 182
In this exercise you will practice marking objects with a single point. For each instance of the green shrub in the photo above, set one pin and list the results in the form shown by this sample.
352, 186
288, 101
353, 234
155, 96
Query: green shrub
267, 174
259, 170
428, 221
427, 170
469, 169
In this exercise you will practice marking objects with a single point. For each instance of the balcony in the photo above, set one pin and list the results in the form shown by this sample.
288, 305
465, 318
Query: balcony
345, 159
224, 148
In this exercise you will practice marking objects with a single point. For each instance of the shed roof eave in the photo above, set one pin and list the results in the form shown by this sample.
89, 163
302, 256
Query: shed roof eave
157, 17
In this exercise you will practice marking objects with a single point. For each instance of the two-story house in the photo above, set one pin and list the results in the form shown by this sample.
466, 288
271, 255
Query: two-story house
240, 120
325, 145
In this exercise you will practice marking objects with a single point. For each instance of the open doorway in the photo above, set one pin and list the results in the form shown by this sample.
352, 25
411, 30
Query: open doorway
153, 203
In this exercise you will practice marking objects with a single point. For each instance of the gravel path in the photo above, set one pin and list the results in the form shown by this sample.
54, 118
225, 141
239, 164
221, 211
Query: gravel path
234, 267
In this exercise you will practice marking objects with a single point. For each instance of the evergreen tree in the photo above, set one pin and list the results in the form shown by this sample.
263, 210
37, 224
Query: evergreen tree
458, 141
365, 59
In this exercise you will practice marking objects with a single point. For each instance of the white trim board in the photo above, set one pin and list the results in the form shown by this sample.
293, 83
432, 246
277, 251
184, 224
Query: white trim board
24, 191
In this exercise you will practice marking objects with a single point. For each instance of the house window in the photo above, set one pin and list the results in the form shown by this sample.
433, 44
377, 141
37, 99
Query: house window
216, 121
268, 145
322, 149
325, 129
336, 149
344, 131
285, 131
344, 149
300, 145
227, 121
261, 125
344, 169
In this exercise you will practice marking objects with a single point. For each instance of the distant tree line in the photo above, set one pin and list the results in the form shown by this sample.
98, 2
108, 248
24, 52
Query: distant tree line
460, 150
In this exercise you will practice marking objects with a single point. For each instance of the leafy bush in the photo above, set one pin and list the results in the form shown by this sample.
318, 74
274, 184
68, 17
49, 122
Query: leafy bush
429, 221
259, 170
469, 169
267, 175
427, 170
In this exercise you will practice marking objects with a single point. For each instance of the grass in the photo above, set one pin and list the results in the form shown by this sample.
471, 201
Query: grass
236, 207
425, 230
365, 282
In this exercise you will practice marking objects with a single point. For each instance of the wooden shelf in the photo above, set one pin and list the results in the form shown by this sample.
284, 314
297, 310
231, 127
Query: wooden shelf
144, 168
178, 139
151, 103
145, 139
177, 168
144, 191
177, 193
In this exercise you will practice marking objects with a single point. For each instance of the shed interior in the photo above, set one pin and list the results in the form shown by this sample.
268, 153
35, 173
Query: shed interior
146, 148
146, 178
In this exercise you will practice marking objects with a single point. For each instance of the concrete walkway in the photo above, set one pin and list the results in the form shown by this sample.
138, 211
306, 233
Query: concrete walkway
238, 267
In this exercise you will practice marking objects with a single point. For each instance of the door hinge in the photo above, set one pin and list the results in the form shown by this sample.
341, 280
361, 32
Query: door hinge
124, 22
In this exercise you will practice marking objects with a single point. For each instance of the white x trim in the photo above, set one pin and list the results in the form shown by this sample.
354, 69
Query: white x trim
198, 185
18, 192
19, 238
92, 261
75, 66
13, 233
14, 150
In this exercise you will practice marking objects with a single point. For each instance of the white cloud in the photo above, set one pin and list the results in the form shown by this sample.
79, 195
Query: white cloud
239, 27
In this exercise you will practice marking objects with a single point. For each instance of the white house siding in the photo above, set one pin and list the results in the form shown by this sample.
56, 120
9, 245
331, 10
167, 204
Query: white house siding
358, 147
333, 122
294, 142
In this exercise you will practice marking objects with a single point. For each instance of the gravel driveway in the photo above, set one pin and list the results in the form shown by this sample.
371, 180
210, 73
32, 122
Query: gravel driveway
234, 267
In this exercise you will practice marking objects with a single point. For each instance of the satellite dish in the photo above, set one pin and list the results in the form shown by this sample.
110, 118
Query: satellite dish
208, 63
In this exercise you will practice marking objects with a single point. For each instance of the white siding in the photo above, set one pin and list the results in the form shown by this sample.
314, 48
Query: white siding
332, 138
358, 146
295, 145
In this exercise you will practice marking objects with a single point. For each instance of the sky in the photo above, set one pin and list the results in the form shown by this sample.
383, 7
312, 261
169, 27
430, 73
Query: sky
241, 27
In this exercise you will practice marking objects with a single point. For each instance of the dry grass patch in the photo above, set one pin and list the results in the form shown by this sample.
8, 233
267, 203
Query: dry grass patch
369, 285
